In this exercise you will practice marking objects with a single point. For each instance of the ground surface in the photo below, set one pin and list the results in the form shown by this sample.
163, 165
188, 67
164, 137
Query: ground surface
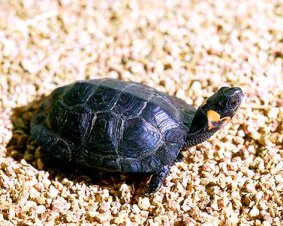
184, 48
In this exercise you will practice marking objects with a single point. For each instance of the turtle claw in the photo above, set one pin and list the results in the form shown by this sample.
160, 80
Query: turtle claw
154, 186
157, 179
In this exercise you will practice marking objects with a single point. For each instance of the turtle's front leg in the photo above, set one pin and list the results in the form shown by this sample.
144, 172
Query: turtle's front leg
157, 179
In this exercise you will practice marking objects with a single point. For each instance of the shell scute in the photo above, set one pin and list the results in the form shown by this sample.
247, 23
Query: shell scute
176, 135
78, 120
103, 99
104, 134
139, 137
141, 91
56, 116
165, 103
79, 93
130, 165
129, 105
151, 163
168, 152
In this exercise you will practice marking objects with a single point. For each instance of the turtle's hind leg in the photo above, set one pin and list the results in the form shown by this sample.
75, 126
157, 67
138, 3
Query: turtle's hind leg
157, 179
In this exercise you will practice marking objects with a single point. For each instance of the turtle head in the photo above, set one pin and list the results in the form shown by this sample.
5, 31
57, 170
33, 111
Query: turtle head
220, 108
214, 113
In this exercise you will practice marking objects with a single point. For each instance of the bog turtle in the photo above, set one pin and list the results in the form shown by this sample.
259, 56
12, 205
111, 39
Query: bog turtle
117, 126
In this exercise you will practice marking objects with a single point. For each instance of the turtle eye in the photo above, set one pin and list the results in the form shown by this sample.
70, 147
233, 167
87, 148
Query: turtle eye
233, 102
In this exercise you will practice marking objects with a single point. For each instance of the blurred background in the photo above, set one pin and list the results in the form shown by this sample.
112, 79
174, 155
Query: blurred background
184, 48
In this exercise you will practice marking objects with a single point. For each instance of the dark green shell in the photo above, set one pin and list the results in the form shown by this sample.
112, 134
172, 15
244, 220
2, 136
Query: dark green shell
112, 125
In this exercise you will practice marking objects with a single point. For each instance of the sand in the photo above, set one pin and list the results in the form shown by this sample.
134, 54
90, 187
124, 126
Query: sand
184, 48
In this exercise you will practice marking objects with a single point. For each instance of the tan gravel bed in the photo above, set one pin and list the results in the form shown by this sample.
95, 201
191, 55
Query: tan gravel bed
184, 48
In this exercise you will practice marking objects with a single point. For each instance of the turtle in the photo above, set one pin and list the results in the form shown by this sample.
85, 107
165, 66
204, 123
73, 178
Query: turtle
126, 127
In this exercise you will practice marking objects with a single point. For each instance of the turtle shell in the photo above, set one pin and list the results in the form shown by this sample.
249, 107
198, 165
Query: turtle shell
112, 125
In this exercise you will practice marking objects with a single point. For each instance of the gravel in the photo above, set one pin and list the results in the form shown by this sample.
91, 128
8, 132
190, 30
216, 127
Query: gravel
184, 48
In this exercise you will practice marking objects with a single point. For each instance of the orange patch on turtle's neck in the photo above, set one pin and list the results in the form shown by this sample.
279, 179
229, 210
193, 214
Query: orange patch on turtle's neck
213, 116
215, 120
